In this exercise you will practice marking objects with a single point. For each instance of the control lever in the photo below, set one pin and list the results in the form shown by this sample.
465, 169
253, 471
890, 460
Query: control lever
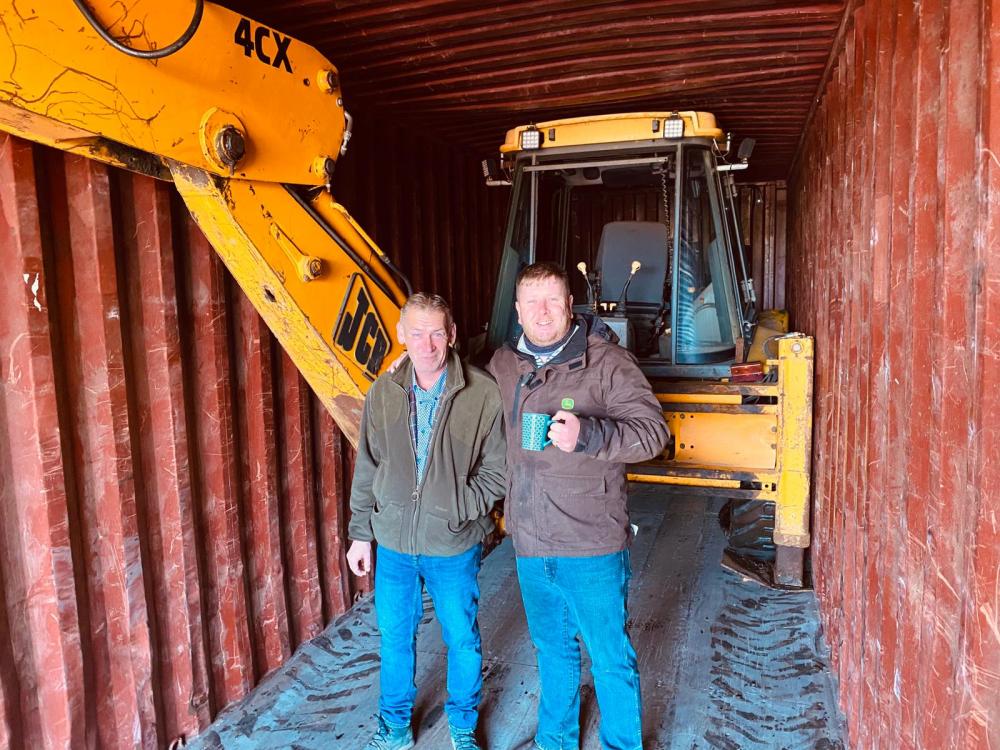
589, 278
622, 300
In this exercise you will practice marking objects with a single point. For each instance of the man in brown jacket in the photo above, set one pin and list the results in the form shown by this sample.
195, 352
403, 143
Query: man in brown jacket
566, 504
429, 468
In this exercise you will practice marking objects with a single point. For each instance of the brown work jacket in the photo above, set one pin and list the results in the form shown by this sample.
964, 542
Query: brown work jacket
574, 504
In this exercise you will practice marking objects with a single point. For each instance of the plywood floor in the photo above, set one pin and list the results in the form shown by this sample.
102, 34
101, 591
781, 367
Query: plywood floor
724, 663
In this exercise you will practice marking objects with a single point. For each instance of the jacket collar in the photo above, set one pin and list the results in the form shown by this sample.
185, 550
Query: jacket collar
572, 357
454, 380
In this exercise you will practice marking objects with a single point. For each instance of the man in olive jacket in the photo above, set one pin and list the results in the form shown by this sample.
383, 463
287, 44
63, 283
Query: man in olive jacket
430, 465
566, 505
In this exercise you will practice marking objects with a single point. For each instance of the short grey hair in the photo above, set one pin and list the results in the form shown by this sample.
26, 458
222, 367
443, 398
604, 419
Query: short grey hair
425, 301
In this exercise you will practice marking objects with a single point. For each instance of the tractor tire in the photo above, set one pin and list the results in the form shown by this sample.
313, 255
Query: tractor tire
749, 527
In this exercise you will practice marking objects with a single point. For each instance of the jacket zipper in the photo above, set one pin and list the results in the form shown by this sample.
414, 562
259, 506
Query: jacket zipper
516, 406
415, 497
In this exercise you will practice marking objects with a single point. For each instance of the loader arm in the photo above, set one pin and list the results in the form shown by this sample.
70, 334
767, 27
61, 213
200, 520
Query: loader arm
248, 123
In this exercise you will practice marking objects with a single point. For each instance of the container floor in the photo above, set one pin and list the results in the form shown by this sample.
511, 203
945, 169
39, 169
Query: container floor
724, 663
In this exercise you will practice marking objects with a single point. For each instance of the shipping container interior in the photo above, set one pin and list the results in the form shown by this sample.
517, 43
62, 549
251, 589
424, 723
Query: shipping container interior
173, 497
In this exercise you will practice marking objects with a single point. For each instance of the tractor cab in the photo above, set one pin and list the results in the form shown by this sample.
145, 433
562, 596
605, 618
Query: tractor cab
639, 210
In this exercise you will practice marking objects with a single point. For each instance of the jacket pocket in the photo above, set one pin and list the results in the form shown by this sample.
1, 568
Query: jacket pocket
446, 500
443, 532
387, 524
468, 506
574, 511
390, 486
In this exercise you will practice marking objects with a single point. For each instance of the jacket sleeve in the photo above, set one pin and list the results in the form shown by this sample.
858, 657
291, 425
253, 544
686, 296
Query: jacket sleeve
362, 496
488, 484
634, 429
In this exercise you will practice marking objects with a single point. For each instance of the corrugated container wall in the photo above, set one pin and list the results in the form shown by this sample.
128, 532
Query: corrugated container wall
426, 205
172, 497
895, 230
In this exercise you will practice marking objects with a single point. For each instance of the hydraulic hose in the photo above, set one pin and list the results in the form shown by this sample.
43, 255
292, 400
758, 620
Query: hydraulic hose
151, 54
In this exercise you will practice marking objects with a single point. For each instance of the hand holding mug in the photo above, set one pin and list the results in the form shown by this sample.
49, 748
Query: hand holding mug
564, 431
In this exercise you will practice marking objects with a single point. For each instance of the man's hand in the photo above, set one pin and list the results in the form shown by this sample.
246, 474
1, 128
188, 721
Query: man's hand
359, 558
564, 431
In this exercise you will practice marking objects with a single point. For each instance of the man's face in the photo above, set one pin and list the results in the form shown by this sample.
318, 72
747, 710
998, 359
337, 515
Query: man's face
544, 310
427, 338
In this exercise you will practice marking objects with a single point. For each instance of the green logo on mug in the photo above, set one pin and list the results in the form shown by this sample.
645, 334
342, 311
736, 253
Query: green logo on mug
568, 403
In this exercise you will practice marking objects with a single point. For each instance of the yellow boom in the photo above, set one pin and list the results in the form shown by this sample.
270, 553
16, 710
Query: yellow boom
243, 119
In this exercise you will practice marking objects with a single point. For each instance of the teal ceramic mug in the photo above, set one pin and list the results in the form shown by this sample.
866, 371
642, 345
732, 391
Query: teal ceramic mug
535, 431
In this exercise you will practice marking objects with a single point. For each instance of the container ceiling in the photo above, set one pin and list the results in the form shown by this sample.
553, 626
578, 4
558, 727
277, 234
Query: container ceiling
470, 70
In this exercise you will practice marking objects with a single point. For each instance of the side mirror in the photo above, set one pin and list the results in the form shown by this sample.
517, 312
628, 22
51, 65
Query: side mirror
493, 174
746, 148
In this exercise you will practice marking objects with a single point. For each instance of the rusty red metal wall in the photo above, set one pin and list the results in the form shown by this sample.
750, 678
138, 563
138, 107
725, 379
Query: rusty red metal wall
763, 208
472, 70
425, 203
172, 497
895, 206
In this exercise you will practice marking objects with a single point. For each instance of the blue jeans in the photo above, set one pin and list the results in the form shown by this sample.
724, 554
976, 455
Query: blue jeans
453, 583
566, 597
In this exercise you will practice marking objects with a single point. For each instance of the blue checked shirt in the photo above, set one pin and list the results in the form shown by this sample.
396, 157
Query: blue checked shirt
423, 411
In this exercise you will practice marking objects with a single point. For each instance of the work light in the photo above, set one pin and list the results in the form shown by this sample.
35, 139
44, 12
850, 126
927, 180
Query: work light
531, 138
673, 127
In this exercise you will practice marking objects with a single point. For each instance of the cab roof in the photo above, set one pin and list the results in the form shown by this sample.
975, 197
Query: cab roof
616, 128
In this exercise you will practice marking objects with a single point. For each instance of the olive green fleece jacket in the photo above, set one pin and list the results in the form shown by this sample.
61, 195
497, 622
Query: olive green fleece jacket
447, 512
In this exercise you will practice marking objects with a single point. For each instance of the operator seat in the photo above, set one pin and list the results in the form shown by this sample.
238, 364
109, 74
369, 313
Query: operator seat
625, 241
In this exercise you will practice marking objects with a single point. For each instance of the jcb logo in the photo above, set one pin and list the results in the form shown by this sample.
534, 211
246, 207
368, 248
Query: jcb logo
359, 330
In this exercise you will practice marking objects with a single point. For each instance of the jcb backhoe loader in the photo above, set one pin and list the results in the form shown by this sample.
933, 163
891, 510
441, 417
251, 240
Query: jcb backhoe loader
248, 124
641, 208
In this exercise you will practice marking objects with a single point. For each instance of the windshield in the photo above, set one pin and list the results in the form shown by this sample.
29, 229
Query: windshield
705, 317
621, 212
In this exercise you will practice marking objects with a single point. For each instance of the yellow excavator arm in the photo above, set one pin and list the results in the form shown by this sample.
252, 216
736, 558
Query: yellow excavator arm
248, 123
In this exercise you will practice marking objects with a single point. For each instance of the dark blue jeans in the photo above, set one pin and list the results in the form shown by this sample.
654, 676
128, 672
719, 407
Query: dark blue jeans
566, 597
453, 583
